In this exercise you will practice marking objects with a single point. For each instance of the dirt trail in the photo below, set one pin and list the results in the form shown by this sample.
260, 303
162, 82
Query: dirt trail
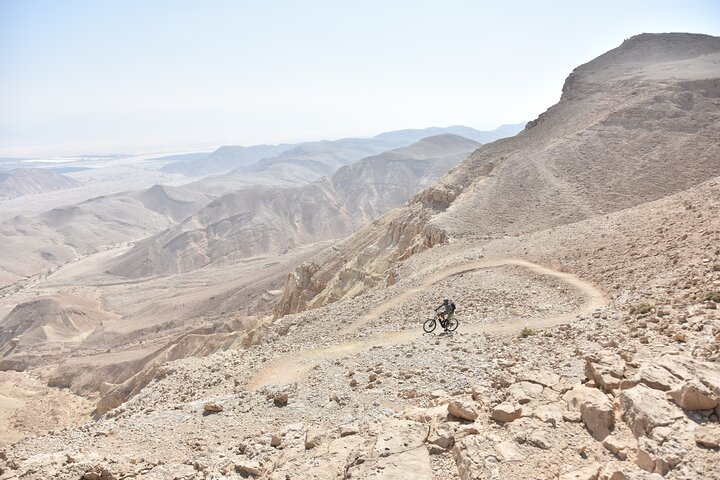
292, 367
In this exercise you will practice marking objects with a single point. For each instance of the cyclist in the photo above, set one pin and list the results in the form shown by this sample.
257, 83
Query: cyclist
445, 311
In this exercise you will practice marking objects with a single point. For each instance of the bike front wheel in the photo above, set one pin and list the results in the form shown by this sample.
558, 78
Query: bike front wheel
429, 325
452, 324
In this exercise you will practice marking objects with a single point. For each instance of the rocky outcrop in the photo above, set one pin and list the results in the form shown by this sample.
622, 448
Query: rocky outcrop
595, 408
645, 409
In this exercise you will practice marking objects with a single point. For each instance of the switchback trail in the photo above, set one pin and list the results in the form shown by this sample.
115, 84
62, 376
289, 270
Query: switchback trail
292, 367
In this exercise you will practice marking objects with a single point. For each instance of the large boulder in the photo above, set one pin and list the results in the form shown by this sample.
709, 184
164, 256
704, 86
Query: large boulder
655, 376
655, 457
413, 463
506, 412
596, 409
475, 458
707, 436
694, 395
645, 409
607, 371
462, 409
525, 392
397, 435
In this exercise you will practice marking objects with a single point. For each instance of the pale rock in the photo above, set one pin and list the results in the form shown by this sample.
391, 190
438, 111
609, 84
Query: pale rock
645, 409
275, 440
607, 372
442, 435
462, 409
439, 394
657, 377
426, 415
680, 367
509, 451
478, 393
625, 471
313, 437
340, 452
525, 392
589, 472
550, 413
596, 409
249, 468
538, 439
546, 379
506, 412
616, 446
685, 368
475, 458
707, 435
347, 430
413, 464
572, 416
649, 457
397, 435
693, 395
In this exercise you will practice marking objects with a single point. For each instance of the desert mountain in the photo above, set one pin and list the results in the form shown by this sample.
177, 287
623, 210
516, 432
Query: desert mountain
34, 244
23, 181
413, 135
636, 124
223, 159
42, 325
302, 163
262, 220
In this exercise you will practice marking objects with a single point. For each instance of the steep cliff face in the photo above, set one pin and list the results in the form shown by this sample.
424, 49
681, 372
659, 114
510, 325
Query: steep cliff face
634, 125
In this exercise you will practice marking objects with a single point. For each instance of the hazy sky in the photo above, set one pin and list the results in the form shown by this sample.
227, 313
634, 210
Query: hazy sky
93, 76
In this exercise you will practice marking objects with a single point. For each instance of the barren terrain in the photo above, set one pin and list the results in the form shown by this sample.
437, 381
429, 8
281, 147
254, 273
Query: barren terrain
583, 255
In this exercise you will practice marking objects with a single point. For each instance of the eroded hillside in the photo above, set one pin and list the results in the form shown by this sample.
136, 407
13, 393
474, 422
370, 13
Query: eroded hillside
636, 124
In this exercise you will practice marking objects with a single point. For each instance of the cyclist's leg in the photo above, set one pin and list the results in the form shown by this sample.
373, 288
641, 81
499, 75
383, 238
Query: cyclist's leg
449, 317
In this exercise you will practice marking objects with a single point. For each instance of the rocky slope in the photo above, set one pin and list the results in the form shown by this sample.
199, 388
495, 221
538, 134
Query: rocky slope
267, 220
23, 181
40, 327
35, 244
622, 391
636, 124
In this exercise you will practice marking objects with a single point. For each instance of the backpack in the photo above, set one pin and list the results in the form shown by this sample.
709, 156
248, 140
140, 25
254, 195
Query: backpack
451, 306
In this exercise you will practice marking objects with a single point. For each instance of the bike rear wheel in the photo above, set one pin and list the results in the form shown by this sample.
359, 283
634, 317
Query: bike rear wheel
452, 324
429, 325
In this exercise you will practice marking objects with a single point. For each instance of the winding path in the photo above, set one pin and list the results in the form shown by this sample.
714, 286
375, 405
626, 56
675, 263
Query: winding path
292, 367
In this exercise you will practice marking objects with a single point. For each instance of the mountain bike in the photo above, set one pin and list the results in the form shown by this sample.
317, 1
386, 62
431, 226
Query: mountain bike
431, 323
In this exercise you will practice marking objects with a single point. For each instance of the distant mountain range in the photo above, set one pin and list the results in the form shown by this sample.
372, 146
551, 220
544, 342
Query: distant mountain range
311, 160
263, 220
